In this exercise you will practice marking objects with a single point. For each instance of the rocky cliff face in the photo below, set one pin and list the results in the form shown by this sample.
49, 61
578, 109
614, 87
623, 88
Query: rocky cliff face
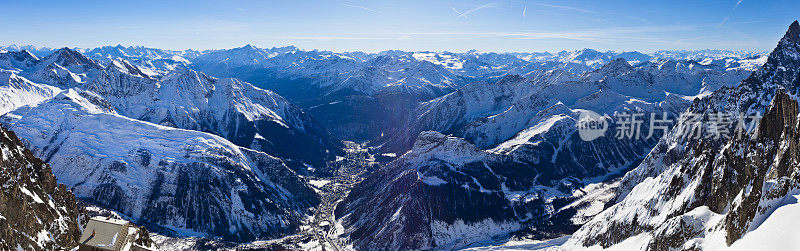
36, 213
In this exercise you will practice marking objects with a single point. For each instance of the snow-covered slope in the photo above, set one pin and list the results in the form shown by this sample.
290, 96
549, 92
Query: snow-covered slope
172, 180
16, 91
696, 193
238, 111
36, 213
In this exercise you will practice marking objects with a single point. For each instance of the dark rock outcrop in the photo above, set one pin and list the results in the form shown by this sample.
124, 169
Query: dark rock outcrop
36, 213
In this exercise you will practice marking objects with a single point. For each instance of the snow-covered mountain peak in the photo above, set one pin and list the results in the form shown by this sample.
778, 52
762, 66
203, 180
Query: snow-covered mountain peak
38, 51
249, 49
287, 48
84, 101
782, 65
67, 57
188, 80
428, 140
635, 57
186, 74
17, 60
791, 38
584, 54
150, 61
124, 66
616, 66
228, 107
26, 55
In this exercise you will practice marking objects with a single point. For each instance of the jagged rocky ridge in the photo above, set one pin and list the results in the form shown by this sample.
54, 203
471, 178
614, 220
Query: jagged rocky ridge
179, 182
36, 213
688, 190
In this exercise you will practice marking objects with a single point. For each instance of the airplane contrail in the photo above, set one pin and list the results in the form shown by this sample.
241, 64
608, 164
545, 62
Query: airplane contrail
362, 7
524, 12
464, 14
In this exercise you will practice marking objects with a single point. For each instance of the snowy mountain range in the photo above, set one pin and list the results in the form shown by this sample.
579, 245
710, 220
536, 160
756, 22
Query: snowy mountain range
376, 89
251, 144
152, 61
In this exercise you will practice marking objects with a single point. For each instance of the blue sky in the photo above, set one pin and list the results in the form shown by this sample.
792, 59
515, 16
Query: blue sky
406, 25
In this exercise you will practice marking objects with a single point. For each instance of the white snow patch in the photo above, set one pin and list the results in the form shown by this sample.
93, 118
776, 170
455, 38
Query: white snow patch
32, 195
433, 180
319, 183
